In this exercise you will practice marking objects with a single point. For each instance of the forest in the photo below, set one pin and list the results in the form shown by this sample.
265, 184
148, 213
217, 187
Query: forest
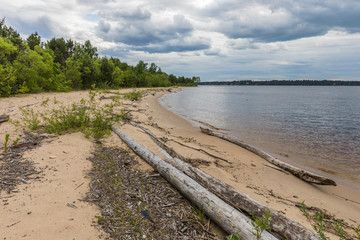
30, 66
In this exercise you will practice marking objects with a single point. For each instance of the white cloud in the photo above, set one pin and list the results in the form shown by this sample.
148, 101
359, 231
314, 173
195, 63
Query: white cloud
214, 39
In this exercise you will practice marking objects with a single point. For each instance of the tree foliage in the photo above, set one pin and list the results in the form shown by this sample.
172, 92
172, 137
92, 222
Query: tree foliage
28, 66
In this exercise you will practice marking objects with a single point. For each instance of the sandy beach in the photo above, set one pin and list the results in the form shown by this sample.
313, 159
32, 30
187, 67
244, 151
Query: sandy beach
51, 206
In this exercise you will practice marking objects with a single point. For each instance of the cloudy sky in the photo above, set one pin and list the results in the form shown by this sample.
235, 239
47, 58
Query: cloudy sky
213, 39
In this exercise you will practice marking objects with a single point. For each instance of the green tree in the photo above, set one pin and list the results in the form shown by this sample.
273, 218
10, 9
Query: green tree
7, 78
72, 73
106, 72
33, 40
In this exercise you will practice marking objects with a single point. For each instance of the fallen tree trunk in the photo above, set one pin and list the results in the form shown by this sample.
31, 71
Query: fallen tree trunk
170, 150
300, 173
227, 217
4, 118
279, 223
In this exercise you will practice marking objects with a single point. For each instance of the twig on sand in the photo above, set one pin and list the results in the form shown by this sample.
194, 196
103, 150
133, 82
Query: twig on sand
13, 224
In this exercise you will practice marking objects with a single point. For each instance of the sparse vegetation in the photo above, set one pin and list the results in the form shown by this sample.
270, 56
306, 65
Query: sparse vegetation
6, 142
235, 236
133, 96
319, 225
357, 231
87, 116
261, 224
317, 220
16, 141
339, 229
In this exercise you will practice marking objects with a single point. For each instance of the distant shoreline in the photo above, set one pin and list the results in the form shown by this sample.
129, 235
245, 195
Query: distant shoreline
285, 83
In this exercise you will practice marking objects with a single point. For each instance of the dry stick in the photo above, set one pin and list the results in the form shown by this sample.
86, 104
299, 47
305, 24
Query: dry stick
203, 151
300, 173
160, 143
276, 168
227, 217
4, 118
279, 223
172, 151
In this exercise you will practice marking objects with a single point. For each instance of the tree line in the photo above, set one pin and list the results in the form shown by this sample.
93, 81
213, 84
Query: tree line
29, 65
285, 83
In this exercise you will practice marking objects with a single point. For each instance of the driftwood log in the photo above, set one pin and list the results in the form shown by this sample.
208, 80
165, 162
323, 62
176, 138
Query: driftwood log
169, 149
300, 173
280, 224
227, 217
4, 118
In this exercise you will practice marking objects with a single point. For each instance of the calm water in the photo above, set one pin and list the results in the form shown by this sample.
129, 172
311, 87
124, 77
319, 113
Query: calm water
317, 128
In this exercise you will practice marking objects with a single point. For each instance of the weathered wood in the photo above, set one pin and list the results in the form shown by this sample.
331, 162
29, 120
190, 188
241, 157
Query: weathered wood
227, 217
279, 223
160, 143
300, 173
4, 118
172, 151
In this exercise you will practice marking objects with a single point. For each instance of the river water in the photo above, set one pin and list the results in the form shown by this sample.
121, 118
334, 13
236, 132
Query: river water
314, 127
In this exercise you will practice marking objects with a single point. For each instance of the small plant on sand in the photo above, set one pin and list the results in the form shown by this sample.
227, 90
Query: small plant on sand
16, 141
201, 214
319, 225
235, 236
339, 229
133, 96
6, 142
357, 231
261, 224
45, 102
304, 210
30, 118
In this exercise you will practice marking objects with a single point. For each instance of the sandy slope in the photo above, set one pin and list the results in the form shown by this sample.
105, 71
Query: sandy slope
40, 207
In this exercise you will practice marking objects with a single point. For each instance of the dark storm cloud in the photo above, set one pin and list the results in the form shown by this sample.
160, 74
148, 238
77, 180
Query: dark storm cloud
138, 29
176, 46
104, 26
283, 20
128, 15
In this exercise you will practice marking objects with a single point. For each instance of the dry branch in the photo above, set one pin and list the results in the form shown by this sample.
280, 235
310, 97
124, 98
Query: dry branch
300, 173
4, 118
203, 151
223, 214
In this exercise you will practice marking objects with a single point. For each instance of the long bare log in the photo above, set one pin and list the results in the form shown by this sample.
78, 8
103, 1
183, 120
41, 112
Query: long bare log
279, 223
300, 173
227, 217
170, 150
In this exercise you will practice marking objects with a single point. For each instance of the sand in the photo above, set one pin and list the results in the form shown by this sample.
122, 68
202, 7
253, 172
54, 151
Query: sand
41, 209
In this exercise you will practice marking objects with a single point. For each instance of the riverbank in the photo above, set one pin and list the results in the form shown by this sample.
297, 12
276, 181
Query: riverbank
45, 207
248, 173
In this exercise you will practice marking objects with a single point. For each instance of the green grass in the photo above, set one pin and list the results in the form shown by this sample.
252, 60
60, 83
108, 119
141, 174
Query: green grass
133, 96
87, 116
